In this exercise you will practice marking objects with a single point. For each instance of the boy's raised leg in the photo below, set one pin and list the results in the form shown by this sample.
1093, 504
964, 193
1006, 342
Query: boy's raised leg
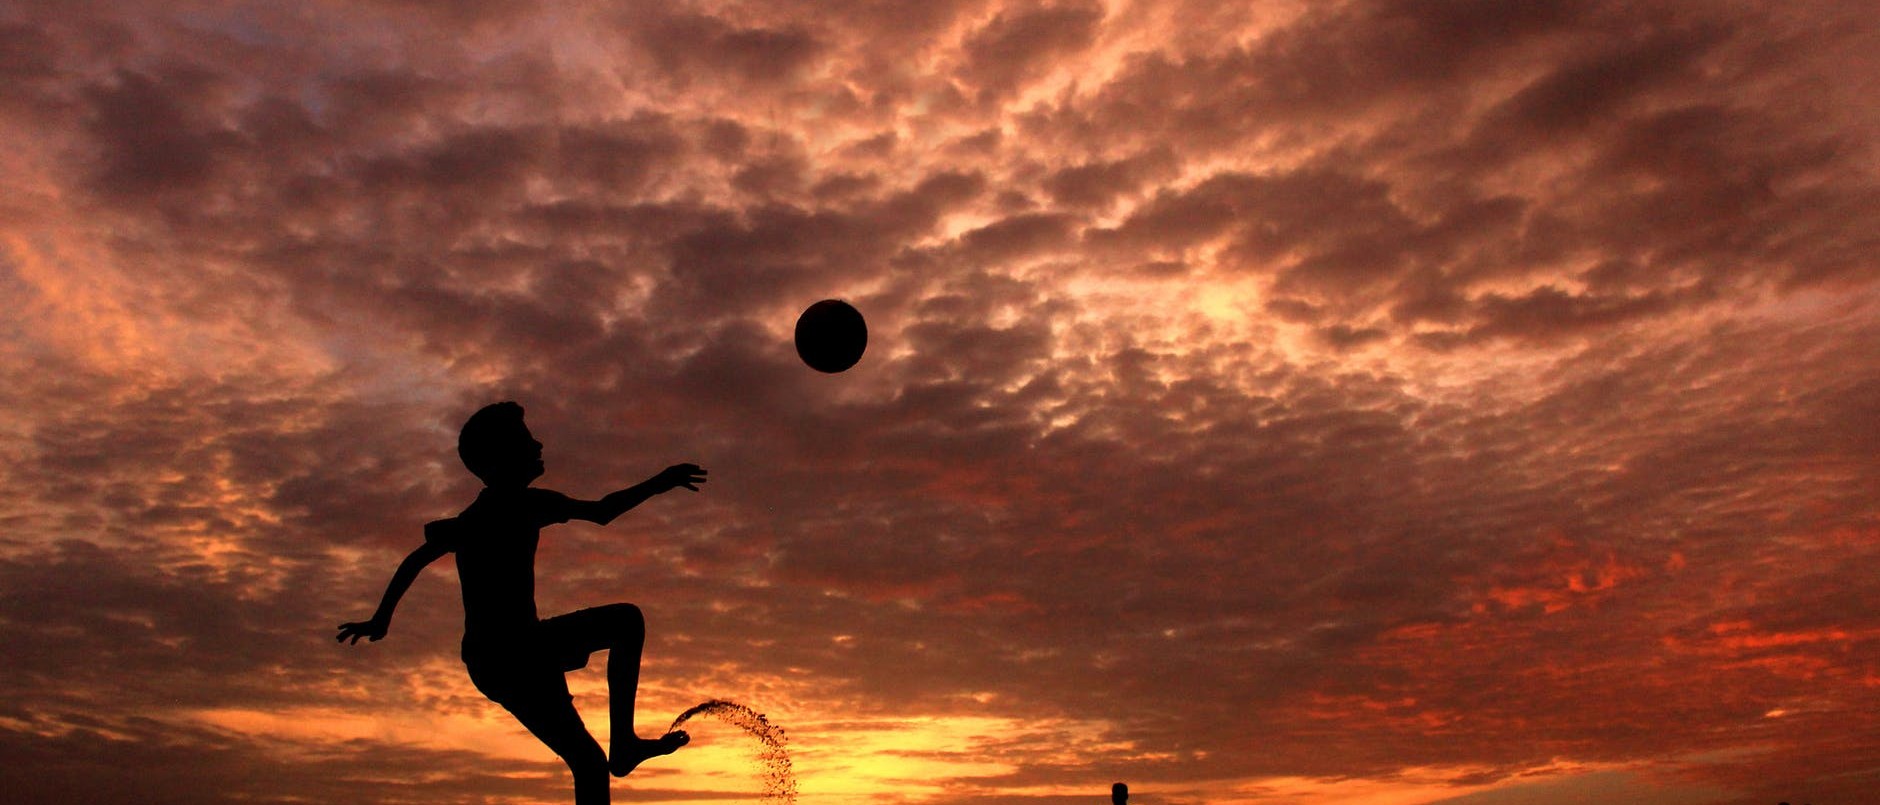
620, 630
625, 627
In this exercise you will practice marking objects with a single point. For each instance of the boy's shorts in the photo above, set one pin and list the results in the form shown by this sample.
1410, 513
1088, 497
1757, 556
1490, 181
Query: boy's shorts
522, 668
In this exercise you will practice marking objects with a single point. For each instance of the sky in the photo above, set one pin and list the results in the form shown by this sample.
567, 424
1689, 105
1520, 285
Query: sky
1273, 402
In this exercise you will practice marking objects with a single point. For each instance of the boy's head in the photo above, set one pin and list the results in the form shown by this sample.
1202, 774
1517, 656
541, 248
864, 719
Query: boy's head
498, 448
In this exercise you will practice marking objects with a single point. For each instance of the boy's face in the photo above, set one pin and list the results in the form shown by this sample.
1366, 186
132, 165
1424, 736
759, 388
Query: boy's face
535, 465
522, 457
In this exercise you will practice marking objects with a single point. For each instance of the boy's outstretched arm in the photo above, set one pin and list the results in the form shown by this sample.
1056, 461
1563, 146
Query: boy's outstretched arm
401, 580
604, 511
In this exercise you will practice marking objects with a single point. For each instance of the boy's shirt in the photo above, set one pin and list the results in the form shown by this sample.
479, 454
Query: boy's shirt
495, 539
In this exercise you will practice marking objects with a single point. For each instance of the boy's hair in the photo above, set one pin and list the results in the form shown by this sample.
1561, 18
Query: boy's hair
488, 439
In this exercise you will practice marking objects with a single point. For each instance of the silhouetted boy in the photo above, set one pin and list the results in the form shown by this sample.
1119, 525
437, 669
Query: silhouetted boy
513, 657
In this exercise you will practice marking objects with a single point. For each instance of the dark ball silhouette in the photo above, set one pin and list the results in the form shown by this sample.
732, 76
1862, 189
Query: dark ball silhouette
830, 336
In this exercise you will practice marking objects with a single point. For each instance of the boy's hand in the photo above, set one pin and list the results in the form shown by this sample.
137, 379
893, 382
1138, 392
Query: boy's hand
678, 475
371, 630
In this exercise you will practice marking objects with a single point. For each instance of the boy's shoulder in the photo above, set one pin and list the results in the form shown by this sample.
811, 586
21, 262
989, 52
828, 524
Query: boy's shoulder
542, 498
501, 497
549, 506
530, 505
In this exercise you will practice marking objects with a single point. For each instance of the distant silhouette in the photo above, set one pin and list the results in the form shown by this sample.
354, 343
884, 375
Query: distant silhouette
514, 658
1119, 794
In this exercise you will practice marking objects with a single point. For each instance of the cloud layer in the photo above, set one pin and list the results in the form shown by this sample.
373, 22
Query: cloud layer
1364, 398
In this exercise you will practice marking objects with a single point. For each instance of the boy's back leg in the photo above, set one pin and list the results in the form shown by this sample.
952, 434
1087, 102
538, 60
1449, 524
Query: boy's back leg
559, 726
620, 630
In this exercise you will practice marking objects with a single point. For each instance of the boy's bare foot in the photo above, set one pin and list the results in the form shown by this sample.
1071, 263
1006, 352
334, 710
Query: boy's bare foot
627, 757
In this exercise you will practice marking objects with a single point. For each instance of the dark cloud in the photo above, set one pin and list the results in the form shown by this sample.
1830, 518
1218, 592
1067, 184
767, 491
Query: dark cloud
698, 47
1099, 184
166, 762
151, 143
1018, 236
1582, 94
1010, 50
31, 53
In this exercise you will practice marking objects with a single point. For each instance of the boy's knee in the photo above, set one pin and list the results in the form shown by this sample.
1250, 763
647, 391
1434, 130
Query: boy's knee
629, 618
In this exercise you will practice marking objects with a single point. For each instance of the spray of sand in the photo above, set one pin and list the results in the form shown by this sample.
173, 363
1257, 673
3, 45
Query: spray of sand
773, 756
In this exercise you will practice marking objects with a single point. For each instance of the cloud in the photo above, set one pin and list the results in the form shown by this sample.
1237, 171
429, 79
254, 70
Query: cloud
1014, 47
690, 47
